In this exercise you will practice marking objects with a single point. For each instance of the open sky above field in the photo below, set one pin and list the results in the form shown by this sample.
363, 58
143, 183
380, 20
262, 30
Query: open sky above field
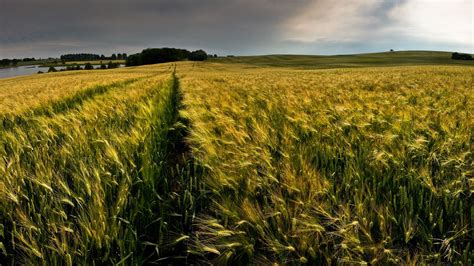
240, 27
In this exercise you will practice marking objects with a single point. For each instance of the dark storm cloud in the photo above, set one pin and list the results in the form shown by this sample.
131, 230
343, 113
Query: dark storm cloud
105, 25
52, 27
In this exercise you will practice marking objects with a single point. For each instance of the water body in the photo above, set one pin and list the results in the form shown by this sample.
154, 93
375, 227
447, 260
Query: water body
28, 70
23, 70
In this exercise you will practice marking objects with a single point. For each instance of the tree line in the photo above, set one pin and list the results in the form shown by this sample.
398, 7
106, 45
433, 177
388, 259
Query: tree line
14, 62
6, 62
87, 66
91, 57
163, 55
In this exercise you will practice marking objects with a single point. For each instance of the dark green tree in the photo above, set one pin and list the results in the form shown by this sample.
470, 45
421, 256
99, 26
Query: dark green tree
88, 66
460, 56
198, 55
111, 65
5, 62
134, 60
80, 57
163, 55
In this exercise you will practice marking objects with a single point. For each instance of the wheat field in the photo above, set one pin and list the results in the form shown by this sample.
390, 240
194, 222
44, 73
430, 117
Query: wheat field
238, 164
334, 166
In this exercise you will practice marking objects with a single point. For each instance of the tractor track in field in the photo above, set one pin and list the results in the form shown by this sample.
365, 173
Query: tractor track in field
176, 186
8, 122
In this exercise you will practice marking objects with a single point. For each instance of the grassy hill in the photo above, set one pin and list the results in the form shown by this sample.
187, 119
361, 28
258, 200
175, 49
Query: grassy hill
402, 58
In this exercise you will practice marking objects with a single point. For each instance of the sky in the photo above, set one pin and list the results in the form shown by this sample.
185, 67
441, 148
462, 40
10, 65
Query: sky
49, 28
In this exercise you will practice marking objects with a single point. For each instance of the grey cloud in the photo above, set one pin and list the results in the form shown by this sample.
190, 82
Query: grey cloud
109, 25
52, 27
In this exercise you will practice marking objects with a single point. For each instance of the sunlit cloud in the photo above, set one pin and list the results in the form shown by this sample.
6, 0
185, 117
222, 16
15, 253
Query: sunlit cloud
329, 20
444, 24
436, 21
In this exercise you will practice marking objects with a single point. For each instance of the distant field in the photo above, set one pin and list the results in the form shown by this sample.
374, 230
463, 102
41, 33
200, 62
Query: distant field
359, 60
245, 160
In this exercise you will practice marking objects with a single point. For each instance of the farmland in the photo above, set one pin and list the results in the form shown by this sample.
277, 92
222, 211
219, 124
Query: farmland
355, 165
399, 58
240, 160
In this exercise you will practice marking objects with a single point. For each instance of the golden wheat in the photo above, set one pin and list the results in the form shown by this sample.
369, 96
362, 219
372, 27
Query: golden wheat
366, 165
232, 163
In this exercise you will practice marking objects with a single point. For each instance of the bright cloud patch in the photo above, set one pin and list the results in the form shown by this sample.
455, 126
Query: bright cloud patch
438, 21
435, 23
329, 20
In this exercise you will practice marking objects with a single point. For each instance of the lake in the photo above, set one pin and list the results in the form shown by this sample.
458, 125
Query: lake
28, 70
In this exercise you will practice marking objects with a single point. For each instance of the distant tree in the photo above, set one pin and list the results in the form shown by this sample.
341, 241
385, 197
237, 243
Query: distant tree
111, 65
102, 57
391, 50
5, 62
80, 57
460, 56
88, 66
40, 72
14, 62
103, 66
134, 60
113, 57
198, 55
119, 56
215, 55
52, 69
124, 56
163, 55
